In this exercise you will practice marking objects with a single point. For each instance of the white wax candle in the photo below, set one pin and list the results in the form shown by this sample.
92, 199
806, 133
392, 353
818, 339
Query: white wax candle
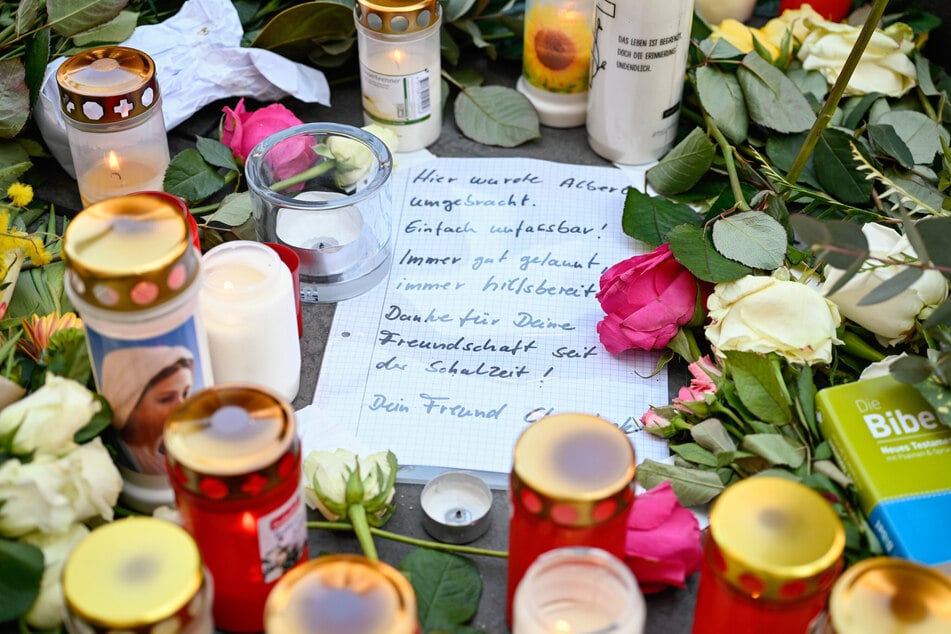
117, 175
249, 312
400, 87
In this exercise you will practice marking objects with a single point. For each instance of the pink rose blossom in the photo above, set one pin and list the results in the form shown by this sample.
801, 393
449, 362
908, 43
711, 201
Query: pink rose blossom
663, 540
242, 130
653, 420
646, 298
702, 382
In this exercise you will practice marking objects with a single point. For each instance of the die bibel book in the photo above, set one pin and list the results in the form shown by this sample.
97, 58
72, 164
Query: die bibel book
889, 441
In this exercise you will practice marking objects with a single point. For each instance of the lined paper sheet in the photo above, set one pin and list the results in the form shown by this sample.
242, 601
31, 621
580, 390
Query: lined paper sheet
488, 317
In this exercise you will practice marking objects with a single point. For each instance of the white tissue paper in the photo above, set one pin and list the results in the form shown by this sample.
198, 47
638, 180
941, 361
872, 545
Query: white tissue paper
198, 59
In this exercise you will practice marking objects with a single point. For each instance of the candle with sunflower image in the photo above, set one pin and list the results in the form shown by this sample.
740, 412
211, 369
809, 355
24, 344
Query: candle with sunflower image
556, 59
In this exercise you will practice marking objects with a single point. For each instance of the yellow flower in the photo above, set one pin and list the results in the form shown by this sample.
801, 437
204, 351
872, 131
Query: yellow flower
20, 194
798, 21
557, 48
39, 331
741, 36
12, 240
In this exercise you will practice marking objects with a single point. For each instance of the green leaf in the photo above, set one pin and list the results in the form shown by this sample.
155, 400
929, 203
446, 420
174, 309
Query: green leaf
68, 356
683, 165
752, 238
14, 98
650, 218
887, 141
189, 176
692, 486
938, 396
776, 449
772, 99
692, 249
759, 386
911, 369
922, 135
782, 150
455, 9
216, 153
695, 453
116, 30
820, 236
69, 17
721, 96
713, 436
22, 566
295, 32
28, 15
935, 233
14, 161
235, 210
837, 169
36, 58
496, 115
97, 424
447, 586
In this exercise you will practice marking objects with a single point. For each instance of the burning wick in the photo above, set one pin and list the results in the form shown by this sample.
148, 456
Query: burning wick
113, 161
397, 57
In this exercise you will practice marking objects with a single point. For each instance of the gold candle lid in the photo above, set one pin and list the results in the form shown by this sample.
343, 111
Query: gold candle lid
130, 253
134, 573
775, 538
396, 17
341, 594
890, 595
107, 84
576, 469
231, 441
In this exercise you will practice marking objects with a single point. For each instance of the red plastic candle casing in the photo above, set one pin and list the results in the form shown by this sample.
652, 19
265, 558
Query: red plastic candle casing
771, 555
571, 485
235, 465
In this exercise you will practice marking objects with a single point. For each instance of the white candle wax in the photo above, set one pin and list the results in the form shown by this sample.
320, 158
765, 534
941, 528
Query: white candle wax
118, 175
248, 309
400, 87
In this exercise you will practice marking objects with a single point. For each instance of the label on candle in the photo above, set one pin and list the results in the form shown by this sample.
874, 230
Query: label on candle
282, 538
396, 99
557, 49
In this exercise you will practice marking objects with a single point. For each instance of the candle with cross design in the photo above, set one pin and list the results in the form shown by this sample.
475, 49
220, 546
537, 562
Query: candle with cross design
111, 102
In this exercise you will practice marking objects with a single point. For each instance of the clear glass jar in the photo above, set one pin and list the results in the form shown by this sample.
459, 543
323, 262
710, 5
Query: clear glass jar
111, 102
400, 66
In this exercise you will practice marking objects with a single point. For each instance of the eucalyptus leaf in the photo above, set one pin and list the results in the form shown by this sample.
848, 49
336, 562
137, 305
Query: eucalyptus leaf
14, 98
692, 249
837, 169
820, 236
772, 99
448, 587
693, 487
809, 82
921, 134
296, 31
683, 165
935, 233
189, 176
496, 115
776, 449
893, 286
713, 436
941, 315
759, 386
22, 566
752, 238
69, 17
721, 96
886, 139
650, 218
911, 369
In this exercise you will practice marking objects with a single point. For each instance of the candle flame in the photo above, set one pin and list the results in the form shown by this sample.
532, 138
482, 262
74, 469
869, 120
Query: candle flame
248, 522
114, 165
561, 626
397, 57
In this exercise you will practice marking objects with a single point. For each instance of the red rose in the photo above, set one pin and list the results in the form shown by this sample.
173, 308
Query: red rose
242, 130
647, 299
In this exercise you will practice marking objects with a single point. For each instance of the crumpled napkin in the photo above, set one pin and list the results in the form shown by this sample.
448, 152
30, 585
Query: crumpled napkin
198, 59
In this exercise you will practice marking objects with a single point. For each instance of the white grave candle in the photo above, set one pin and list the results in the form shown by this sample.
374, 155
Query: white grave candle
248, 308
119, 175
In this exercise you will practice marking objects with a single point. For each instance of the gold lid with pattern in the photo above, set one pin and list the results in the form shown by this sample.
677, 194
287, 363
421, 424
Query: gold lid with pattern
891, 595
130, 253
775, 538
133, 574
107, 84
577, 469
232, 441
397, 17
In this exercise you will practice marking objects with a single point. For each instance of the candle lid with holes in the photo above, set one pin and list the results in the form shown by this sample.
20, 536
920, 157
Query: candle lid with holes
130, 253
133, 574
775, 538
397, 17
107, 84
231, 441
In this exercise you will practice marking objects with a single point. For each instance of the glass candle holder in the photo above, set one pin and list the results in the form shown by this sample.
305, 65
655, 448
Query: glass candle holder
571, 485
580, 590
771, 554
134, 277
342, 594
111, 102
249, 311
556, 58
323, 189
400, 65
137, 574
234, 461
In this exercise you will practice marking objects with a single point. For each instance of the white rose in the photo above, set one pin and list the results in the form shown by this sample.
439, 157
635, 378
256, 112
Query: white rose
765, 314
353, 158
48, 494
334, 481
47, 611
885, 66
716, 11
46, 420
880, 368
893, 320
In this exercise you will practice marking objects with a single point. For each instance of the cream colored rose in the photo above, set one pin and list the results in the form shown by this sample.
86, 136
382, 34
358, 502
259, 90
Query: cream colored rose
884, 68
48, 494
715, 11
335, 481
353, 158
46, 420
893, 320
796, 20
46, 613
765, 314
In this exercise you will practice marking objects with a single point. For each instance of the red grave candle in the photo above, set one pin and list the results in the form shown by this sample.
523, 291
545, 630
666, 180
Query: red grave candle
235, 465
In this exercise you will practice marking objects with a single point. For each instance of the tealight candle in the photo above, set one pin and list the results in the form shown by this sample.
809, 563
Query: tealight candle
249, 311
456, 507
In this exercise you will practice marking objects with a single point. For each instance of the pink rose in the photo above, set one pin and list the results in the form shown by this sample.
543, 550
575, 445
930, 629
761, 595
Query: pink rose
647, 299
653, 420
703, 371
663, 545
242, 130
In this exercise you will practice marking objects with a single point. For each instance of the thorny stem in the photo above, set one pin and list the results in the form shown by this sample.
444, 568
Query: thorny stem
396, 537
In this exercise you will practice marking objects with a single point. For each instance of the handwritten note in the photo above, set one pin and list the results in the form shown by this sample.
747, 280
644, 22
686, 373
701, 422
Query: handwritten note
487, 320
